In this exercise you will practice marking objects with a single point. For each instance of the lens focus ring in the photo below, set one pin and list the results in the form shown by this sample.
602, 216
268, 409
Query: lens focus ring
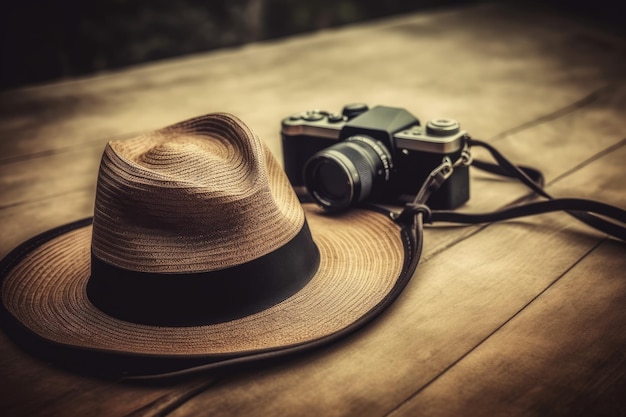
345, 173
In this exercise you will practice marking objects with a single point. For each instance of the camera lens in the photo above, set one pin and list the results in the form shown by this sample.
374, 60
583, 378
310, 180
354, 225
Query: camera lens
344, 174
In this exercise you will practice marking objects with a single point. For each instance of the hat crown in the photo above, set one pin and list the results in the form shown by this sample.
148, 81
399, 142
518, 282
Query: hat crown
193, 197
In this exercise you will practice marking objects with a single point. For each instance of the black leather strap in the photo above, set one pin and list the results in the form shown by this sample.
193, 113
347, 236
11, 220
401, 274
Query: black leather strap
584, 210
534, 174
560, 204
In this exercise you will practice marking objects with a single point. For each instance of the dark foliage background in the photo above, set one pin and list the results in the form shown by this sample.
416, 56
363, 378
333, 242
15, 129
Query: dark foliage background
43, 40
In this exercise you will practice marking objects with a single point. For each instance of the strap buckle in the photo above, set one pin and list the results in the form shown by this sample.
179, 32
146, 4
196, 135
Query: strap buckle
466, 158
442, 172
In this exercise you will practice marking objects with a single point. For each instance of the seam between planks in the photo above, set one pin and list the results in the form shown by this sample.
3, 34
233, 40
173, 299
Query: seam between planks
494, 331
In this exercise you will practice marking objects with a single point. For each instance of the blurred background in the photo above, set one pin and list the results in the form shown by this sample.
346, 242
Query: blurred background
46, 40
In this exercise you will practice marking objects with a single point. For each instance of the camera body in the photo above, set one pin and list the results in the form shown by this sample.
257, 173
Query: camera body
337, 153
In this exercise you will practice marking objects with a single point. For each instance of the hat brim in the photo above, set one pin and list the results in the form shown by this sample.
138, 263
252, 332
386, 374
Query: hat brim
365, 262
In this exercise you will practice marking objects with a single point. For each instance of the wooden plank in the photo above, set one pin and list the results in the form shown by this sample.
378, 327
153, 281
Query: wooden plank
562, 355
23, 221
29, 387
47, 391
496, 61
46, 177
457, 300
76, 168
73, 168
37, 173
55, 189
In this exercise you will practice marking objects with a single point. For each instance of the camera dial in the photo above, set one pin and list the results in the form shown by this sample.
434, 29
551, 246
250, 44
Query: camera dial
347, 172
442, 127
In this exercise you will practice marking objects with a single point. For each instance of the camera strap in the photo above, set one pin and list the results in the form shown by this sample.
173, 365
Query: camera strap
587, 211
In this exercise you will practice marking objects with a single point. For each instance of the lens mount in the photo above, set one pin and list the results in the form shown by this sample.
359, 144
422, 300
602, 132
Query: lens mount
347, 172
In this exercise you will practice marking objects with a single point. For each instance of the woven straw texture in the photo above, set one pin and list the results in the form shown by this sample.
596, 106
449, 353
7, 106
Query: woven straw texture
202, 195
192, 197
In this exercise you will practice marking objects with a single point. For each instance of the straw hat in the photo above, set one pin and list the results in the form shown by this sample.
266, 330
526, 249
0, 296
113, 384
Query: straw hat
198, 254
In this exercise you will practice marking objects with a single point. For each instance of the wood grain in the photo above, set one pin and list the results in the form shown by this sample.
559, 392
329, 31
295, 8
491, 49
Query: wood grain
562, 355
491, 67
520, 318
458, 300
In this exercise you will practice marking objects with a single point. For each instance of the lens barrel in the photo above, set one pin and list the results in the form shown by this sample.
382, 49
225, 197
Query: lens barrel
347, 172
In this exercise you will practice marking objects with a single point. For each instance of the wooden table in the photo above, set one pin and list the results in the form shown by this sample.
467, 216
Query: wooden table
524, 317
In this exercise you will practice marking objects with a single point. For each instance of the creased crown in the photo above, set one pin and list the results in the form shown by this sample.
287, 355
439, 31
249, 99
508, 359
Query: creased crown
201, 195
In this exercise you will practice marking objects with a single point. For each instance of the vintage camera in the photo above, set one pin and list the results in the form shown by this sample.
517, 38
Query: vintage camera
381, 154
